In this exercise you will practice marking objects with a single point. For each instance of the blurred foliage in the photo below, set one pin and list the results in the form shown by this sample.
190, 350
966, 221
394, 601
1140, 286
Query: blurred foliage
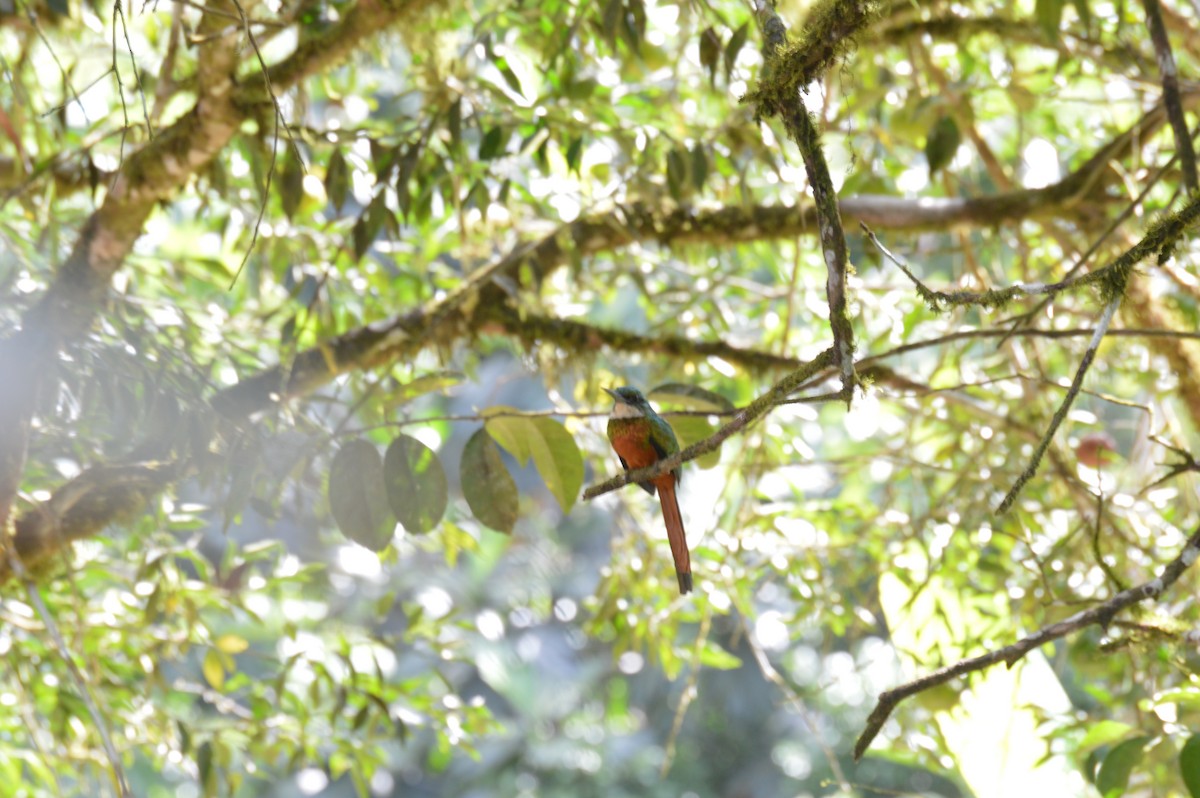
506, 639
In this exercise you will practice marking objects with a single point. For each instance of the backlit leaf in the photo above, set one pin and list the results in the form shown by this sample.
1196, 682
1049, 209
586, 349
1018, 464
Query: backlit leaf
487, 486
416, 484
1189, 765
1118, 764
557, 459
358, 497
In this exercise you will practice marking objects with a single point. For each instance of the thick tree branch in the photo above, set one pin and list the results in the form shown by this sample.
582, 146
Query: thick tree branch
382, 342
1171, 97
1100, 615
68, 307
831, 26
149, 176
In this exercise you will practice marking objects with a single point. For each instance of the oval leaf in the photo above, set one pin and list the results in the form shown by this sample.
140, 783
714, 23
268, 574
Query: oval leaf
942, 143
690, 396
691, 429
416, 484
512, 430
557, 459
1189, 765
231, 644
291, 184
214, 671
337, 180
487, 486
358, 497
1113, 777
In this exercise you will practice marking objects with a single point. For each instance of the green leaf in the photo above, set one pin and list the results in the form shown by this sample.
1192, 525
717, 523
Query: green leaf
574, 150
214, 671
557, 459
941, 144
487, 486
1104, 732
690, 396
426, 383
736, 42
1189, 765
204, 766
1085, 14
713, 656
291, 184
454, 123
512, 430
358, 497
415, 483
699, 166
337, 180
676, 172
231, 644
613, 11
710, 52
362, 236
492, 144
1049, 17
1118, 764
510, 77
552, 448
692, 429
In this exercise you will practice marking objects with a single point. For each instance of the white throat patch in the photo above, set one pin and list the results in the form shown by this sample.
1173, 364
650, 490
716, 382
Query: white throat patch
622, 410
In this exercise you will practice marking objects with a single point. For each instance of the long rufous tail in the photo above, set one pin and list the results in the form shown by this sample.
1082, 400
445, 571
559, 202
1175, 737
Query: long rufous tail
676, 535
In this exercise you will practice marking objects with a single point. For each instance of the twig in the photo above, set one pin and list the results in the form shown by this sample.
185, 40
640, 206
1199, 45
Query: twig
60, 647
137, 75
279, 118
120, 93
166, 80
37, 26
689, 692
990, 298
1061, 414
1101, 615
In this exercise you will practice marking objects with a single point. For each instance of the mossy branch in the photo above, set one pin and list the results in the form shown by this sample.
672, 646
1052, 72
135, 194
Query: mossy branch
831, 23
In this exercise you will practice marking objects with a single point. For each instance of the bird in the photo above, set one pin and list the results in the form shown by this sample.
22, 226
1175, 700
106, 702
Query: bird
641, 437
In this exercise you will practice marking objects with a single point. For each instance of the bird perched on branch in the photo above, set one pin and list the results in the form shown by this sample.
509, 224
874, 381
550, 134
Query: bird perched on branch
641, 438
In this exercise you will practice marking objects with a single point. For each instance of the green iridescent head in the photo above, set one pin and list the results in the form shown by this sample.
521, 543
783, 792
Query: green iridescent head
627, 395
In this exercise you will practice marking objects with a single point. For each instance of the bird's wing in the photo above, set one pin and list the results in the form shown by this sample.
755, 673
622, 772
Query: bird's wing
663, 452
646, 486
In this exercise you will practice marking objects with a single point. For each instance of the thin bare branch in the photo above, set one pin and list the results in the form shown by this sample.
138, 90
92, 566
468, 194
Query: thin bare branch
1060, 415
1100, 615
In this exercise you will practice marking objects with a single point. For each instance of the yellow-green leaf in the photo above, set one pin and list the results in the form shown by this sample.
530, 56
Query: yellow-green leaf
713, 656
231, 644
689, 430
557, 459
511, 430
214, 671
690, 396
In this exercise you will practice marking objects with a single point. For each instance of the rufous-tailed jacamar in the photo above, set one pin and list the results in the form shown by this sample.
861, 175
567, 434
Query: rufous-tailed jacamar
641, 438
